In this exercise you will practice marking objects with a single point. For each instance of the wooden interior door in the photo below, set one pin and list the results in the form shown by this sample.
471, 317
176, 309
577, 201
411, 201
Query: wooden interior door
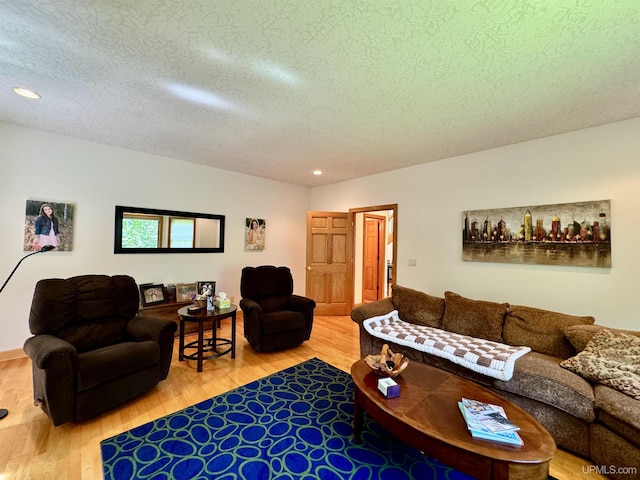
329, 262
373, 255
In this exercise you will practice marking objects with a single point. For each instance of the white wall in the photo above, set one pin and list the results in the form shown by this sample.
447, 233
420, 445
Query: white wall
39, 165
592, 164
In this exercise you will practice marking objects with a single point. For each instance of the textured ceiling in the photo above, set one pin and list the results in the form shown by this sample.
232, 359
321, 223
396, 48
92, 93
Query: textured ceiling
279, 88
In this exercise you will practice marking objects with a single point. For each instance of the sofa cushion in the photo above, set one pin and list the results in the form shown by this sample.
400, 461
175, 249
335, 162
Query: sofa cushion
542, 330
539, 377
273, 304
618, 411
475, 318
275, 323
581, 335
106, 364
87, 336
612, 359
417, 307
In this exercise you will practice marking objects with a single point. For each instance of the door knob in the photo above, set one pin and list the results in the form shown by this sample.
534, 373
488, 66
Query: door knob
309, 268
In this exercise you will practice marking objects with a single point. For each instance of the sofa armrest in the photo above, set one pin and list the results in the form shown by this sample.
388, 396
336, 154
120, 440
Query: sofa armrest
46, 350
298, 303
54, 365
305, 306
252, 319
250, 309
142, 329
367, 310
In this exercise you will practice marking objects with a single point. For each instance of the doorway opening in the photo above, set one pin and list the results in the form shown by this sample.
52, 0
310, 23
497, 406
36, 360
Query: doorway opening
374, 251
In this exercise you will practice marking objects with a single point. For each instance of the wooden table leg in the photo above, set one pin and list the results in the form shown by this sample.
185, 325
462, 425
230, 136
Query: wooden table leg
358, 418
200, 344
233, 335
214, 338
181, 341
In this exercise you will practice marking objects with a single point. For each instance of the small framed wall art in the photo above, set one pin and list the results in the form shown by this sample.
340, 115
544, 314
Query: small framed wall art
48, 223
255, 232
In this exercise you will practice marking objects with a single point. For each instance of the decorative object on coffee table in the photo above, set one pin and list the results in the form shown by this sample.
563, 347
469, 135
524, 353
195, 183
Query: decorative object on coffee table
200, 301
387, 364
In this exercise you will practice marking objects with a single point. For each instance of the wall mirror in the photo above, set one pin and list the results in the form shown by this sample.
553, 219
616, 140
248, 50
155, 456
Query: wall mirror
146, 230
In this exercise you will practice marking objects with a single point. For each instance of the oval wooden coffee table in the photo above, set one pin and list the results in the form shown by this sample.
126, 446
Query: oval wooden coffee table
426, 416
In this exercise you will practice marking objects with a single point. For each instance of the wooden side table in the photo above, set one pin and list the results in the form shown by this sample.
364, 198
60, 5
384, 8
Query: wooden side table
212, 347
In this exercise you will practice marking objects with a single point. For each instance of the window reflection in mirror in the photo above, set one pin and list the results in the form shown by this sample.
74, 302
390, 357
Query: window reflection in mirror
141, 231
144, 230
182, 232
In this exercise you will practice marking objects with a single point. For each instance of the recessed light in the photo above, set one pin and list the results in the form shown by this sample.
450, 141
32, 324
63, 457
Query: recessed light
317, 172
25, 92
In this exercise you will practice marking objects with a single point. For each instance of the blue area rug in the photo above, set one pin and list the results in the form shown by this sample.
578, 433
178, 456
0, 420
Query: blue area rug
294, 424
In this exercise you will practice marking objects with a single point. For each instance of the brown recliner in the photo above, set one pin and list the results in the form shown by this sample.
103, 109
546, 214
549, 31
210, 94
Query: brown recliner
89, 351
274, 318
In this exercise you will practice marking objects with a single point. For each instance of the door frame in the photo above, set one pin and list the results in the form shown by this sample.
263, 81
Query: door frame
373, 209
381, 242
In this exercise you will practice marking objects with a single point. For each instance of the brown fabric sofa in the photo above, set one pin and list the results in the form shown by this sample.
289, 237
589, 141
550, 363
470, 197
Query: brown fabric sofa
589, 419
89, 351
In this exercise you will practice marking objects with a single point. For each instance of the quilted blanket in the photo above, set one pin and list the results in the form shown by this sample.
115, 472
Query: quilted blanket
483, 356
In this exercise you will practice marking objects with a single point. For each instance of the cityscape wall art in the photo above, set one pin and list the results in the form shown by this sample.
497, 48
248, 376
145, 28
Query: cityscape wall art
570, 234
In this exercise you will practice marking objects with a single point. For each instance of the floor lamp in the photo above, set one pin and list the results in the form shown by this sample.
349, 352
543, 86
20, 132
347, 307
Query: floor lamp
3, 411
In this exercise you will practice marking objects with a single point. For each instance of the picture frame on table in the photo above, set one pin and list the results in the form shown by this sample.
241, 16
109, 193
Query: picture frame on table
200, 285
152, 294
186, 291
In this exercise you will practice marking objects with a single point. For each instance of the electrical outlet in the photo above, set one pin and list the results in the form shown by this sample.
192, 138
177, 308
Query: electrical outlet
412, 262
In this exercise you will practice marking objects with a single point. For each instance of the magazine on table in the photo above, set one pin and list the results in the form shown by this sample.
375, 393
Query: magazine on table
492, 417
478, 430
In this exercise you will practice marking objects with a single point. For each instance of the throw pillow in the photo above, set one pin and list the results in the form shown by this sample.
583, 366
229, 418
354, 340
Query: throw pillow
581, 335
474, 318
417, 307
611, 359
542, 330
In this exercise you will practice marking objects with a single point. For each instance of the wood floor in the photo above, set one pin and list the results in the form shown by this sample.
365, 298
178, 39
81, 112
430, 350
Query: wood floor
31, 448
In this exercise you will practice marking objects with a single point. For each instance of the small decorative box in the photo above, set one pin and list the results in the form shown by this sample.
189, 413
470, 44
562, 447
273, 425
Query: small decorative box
223, 303
388, 387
